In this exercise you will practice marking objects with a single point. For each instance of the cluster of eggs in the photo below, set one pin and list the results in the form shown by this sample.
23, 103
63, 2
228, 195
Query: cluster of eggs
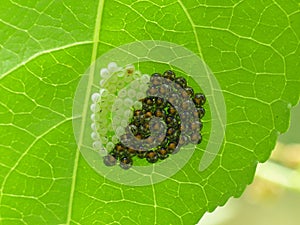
111, 106
178, 133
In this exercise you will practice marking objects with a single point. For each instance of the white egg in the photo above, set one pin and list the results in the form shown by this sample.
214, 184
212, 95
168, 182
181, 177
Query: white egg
104, 73
96, 97
97, 145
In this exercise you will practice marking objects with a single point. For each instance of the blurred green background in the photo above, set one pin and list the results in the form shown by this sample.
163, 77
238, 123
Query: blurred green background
274, 196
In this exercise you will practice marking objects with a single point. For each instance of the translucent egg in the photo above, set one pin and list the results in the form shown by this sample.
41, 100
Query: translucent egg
112, 67
104, 73
96, 97
110, 146
95, 107
122, 93
95, 126
95, 136
115, 139
97, 145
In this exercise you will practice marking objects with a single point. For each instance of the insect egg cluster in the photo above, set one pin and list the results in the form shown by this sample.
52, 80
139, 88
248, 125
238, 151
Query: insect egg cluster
141, 127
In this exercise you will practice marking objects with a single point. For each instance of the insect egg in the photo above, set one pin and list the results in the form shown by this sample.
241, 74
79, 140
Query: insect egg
169, 74
95, 136
162, 153
171, 146
163, 89
160, 102
129, 69
151, 157
155, 79
172, 110
109, 160
196, 126
199, 99
183, 140
159, 113
95, 107
196, 138
131, 151
189, 91
104, 73
112, 67
152, 91
201, 112
97, 145
181, 81
96, 97
125, 162
141, 154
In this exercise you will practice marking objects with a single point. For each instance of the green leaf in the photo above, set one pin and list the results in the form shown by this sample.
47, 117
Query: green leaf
252, 47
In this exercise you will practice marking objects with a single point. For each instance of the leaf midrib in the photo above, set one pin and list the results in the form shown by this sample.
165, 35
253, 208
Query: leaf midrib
85, 106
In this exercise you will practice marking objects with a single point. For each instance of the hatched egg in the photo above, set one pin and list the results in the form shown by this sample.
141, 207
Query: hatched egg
95, 126
97, 145
112, 67
110, 146
95, 107
122, 93
96, 97
95, 136
104, 73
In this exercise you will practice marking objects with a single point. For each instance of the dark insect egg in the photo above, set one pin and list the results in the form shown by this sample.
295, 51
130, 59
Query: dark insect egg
138, 112
171, 146
181, 81
201, 112
189, 91
131, 151
110, 160
148, 114
125, 162
157, 126
141, 154
152, 91
174, 137
199, 99
134, 129
169, 74
160, 138
196, 126
119, 149
148, 101
150, 140
162, 153
139, 136
171, 121
170, 131
160, 113
185, 116
196, 138
151, 156
164, 89
186, 105
159, 102
155, 78
183, 140
172, 110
